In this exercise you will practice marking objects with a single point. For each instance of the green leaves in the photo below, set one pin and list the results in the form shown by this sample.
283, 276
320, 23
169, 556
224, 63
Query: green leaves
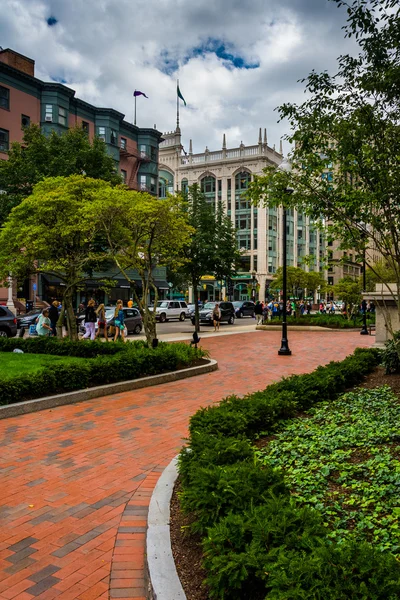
343, 461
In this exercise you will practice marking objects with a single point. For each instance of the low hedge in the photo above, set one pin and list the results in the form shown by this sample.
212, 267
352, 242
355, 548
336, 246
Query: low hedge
107, 363
257, 543
329, 321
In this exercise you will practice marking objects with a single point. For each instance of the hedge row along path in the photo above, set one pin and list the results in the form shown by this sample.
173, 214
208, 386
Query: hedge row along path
76, 481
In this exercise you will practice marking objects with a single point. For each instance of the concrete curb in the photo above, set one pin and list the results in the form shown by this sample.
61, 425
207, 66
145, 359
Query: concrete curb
164, 580
30, 406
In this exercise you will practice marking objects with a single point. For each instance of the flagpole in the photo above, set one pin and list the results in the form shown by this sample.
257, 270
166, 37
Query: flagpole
177, 104
135, 110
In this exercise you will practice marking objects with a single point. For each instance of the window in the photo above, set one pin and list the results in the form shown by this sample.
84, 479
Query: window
184, 185
299, 234
49, 113
4, 98
272, 223
255, 263
153, 185
254, 242
4, 140
208, 185
153, 153
25, 121
85, 127
143, 186
143, 151
113, 137
101, 133
255, 221
242, 181
123, 143
62, 116
229, 185
330, 280
123, 175
219, 186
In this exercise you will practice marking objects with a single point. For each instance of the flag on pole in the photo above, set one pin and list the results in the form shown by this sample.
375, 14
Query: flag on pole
137, 93
178, 91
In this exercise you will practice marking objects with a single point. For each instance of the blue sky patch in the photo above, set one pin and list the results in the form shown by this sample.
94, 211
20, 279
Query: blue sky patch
51, 21
60, 80
219, 48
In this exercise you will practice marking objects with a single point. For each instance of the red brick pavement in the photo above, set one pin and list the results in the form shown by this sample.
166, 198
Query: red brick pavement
76, 481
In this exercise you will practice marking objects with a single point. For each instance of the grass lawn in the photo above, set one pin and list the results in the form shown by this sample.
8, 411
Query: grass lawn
12, 364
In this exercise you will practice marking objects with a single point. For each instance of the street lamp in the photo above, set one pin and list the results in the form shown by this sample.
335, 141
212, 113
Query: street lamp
253, 285
284, 349
364, 330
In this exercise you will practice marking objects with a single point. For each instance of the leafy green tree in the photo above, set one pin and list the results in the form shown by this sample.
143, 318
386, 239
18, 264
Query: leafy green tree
41, 156
298, 279
349, 290
54, 230
142, 232
346, 138
212, 248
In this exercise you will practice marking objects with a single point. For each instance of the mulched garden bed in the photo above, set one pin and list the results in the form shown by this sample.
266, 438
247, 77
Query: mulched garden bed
187, 549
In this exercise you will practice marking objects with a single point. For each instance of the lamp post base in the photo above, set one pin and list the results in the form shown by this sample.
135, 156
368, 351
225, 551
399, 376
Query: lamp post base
364, 331
284, 350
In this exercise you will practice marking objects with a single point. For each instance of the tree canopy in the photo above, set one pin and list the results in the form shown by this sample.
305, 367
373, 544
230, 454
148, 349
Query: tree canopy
299, 281
212, 249
346, 137
40, 156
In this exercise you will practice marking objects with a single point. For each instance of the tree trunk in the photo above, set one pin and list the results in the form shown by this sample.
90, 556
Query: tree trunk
148, 316
69, 309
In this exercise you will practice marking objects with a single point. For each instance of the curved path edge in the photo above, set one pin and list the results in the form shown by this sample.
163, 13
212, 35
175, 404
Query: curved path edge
164, 583
30, 406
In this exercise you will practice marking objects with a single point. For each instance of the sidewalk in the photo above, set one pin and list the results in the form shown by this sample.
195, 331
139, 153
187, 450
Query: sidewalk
76, 481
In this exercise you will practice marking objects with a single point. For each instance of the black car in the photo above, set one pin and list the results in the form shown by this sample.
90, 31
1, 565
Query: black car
8, 323
227, 312
29, 318
244, 309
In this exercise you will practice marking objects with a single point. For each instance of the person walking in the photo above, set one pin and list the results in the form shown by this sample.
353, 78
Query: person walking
258, 311
90, 321
101, 323
119, 321
43, 324
130, 303
216, 315
53, 316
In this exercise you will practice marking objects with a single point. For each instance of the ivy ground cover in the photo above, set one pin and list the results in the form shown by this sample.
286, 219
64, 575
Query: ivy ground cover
342, 458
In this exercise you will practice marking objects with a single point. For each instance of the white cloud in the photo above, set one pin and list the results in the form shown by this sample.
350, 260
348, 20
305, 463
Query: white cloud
105, 49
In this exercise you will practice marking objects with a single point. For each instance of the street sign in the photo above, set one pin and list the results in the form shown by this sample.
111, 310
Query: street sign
34, 287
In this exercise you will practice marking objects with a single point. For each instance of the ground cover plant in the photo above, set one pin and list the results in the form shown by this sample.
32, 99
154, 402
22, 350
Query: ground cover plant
259, 539
342, 459
331, 321
105, 363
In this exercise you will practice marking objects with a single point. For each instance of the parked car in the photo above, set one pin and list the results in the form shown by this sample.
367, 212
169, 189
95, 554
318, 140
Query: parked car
227, 312
191, 308
132, 319
244, 309
171, 309
8, 323
29, 318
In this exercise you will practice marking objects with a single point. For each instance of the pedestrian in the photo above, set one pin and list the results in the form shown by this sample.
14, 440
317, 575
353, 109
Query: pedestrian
101, 323
216, 315
130, 303
119, 321
43, 324
258, 311
266, 313
90, 321
53, 316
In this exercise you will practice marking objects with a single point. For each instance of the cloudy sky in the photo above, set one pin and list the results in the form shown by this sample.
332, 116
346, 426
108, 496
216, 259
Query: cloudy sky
236, 60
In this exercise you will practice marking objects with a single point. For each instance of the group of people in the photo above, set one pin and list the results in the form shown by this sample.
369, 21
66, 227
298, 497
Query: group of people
266, 311
46, 323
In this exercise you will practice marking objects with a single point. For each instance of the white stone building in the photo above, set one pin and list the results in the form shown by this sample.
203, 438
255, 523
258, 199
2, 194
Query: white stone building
223, 176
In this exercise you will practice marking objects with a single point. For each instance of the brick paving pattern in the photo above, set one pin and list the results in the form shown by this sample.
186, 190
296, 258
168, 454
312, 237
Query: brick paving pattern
76, 481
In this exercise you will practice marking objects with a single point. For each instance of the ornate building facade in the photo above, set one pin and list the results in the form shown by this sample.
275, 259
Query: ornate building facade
223, 176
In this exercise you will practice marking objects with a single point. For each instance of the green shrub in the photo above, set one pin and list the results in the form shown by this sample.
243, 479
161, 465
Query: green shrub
355, 571
390, 355
330, 321
217, 490
107, 363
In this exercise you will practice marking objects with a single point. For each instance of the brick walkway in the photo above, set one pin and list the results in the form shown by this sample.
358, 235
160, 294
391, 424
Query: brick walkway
76, 481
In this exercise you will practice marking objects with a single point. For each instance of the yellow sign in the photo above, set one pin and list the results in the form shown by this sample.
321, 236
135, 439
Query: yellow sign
207, 277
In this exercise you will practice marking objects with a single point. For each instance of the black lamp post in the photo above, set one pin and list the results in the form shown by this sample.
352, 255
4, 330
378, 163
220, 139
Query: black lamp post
284, 349
253, 285
364, 330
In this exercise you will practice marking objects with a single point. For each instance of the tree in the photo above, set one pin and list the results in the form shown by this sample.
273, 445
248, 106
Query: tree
41, 156
143, 232
54, 230
212, 248
346, 138
349, 290
297, 279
